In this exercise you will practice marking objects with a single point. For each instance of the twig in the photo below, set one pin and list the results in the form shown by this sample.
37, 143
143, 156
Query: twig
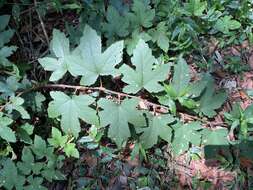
42, 23
85, 89
107, 91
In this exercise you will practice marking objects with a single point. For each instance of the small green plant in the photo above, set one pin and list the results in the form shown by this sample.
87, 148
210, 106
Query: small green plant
240, 121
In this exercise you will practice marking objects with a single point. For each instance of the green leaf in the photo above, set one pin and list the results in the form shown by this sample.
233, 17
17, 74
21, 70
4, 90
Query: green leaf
4, 20
142, 14
195, 7
64, 61
5, 52
35, 183
181, 77
71, 150
118, 116
157, 127
226, 23
6, 132
184, 135
7, 175
70, 109
215, 137
16, 104
39, 146
168, 101
57, 139
210, 101
5, 36
135, 38
96, 63
145, 75
159, 35
35, 101
59, 44
58, 67
116, 24
24, 132
10, 86
27, 161
196, 88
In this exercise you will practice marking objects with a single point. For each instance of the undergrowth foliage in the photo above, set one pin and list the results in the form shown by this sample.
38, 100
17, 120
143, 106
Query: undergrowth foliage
114, 81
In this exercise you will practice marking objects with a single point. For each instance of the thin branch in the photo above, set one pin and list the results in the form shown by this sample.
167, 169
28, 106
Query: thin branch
107, 91
163, 109
42, 23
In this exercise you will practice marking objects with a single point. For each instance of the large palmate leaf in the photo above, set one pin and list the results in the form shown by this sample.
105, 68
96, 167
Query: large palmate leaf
160, 36
184, 135
64, 61
142, 14
157, 127
95, 62
116, 24
210, 101
118, 116
144, 75
71, 109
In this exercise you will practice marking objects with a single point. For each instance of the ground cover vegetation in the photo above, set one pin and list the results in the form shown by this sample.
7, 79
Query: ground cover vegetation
126, 94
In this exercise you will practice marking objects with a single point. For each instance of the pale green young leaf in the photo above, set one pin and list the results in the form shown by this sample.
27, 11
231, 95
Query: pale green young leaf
145, 75
118, 116
71, 150
96, 63
184, 135
71, 109
157, 127
57, 139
